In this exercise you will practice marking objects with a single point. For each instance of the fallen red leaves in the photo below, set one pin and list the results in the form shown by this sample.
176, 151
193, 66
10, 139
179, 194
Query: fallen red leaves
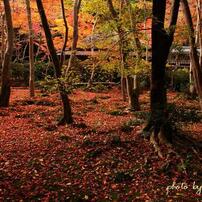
98, 158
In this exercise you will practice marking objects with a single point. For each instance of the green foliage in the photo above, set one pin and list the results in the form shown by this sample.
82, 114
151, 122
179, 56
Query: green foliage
185, 164
42, 70
183, 114
98, 88
116, 140
49, 84
20, 72
116, 113
144, 115
129, 125
181, 79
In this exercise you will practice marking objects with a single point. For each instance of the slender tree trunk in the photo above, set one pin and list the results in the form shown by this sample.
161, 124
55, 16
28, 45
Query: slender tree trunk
121, 47
137, 44
199, 14
67, 114
132, 81
92, 51
5, 79
133, 92
2, 38
66, 33
192, 89
31, 50
77, 5
145, 32
196, 68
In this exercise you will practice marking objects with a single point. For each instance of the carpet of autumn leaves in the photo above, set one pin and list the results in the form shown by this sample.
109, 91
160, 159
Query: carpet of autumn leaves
101, 157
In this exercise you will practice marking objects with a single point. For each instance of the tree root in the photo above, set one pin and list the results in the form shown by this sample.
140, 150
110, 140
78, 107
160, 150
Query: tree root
156, 145
159, 134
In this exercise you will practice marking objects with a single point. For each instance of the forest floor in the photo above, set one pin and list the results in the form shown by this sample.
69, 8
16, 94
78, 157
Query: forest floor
101, 157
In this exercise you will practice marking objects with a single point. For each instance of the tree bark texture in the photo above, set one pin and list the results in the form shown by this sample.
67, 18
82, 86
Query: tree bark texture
161, 43
5, 79
31, 50
196, 68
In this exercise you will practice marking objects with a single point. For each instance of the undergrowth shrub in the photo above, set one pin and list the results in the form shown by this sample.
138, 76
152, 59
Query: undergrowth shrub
184, 114
129, 125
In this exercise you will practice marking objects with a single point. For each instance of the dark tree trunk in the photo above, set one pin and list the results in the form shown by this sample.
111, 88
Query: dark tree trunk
5, 79
67, 113
161, 43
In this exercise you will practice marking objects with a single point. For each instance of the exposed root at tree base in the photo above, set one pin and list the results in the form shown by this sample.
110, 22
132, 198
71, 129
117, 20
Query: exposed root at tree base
167, 140
156, 145
159, 135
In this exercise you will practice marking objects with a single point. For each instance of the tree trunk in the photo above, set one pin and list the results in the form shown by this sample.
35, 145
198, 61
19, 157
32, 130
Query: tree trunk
31, 50
199, 16
161, 42
66, 33
192, 89
137, 44
196, 68
90, 81
5, 79
3, 41
67, 114
77, 5
121, 47
133, 92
